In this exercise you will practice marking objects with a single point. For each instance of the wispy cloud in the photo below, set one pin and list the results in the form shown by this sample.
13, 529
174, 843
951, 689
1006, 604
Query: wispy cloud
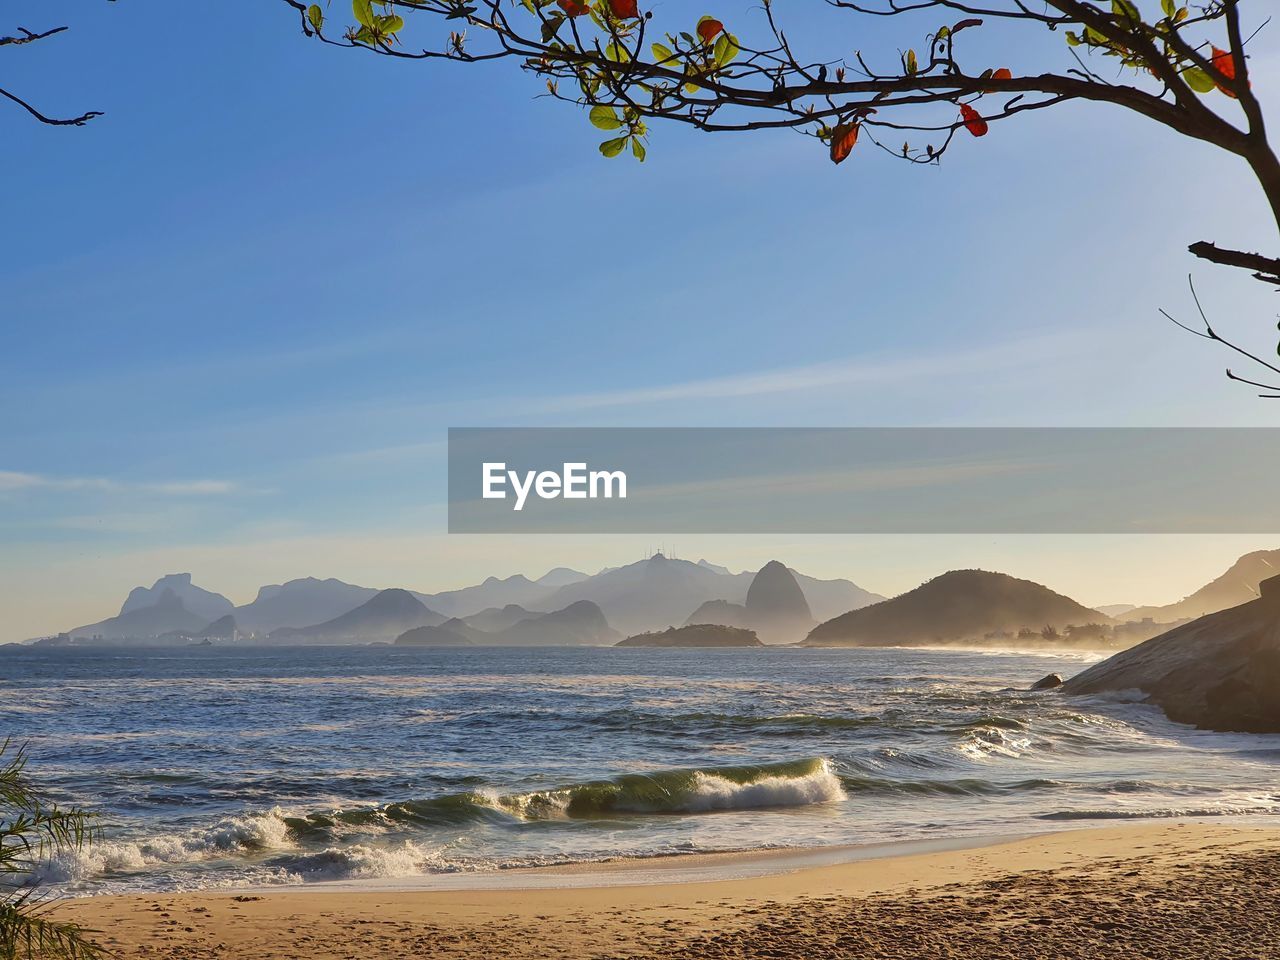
847, 372
13, 480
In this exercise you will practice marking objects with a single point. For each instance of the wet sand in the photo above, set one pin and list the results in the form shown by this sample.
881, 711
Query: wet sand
1178, 890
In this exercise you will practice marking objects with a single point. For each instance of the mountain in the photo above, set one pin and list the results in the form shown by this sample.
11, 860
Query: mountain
1219, 672
656, 592
956, 606
166, 615
1116, 610
830, 598
451, 633
582, 623
560, 577
298, 603
224, 628
384, 616
775, 608
495, 619
202, 603
660, 591
494, 592
695, 635
715, 568
1238, 585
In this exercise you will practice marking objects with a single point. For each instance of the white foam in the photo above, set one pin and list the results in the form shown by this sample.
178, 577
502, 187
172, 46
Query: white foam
712, 792
251, 832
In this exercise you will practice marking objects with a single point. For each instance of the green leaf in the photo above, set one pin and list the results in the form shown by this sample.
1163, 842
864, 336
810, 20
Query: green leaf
363, 11
1073, 39
1169, 7
1198, 80
611, 148
726, 49
391, 24
637, 149
661, 53
1126, 10
550, 26
316, 16
605, 118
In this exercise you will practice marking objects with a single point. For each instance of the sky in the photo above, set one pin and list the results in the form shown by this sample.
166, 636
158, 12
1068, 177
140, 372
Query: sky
243, 307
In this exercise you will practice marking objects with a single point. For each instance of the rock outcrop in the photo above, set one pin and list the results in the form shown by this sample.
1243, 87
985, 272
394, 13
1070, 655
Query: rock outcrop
1220, 672
695, 635
776, 608
1048, 682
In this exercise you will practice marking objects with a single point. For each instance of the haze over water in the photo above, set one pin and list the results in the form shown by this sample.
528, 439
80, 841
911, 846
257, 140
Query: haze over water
232, 766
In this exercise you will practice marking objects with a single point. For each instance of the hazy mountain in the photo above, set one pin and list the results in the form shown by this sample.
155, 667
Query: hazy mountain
1238, 585
1117, 610
959, 605
775, 608
494, 592
495, 619
660, 591
202, 603
451, 633
695, 635
830, 598
649, 593
714, 567
224, 629
298, 603
384, 616
580, 624
560, 576
166, 615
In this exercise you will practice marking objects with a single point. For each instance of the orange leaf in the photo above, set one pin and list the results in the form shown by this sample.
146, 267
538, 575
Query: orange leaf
574, 8
1225, 64
709, 28
842, 140
973, 120
1002, 74
624, 9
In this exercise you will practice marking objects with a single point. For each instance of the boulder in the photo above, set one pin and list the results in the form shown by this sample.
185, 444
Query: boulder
1220, 672
1048, 683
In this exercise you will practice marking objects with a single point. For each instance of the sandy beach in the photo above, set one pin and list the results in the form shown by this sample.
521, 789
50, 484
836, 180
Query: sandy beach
1192, 890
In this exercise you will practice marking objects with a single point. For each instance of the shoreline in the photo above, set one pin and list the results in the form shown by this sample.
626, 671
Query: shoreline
1073, 893
659, 869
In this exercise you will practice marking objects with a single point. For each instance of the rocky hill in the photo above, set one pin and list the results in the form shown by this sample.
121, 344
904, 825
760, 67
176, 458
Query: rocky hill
954, 607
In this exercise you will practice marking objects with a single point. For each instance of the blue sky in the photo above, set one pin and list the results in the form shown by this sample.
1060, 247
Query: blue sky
242, 308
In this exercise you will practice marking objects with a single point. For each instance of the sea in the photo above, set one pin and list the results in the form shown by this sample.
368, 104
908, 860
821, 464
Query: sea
221, 767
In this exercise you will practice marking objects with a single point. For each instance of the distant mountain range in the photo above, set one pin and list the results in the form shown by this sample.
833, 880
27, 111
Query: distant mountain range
579, 624
956, 606
780, 604
384, 616
1238, 585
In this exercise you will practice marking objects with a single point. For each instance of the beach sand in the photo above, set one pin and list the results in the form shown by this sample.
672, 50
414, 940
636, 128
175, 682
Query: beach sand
1186, 889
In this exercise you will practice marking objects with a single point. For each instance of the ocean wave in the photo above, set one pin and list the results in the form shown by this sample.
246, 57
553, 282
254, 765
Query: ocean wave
797, 783
231, 836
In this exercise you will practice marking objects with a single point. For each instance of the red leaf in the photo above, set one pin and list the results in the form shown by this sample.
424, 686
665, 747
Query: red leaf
709, 28
973, 120
574, 8
842, 140
624, 9
1225, 64
1002, 74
